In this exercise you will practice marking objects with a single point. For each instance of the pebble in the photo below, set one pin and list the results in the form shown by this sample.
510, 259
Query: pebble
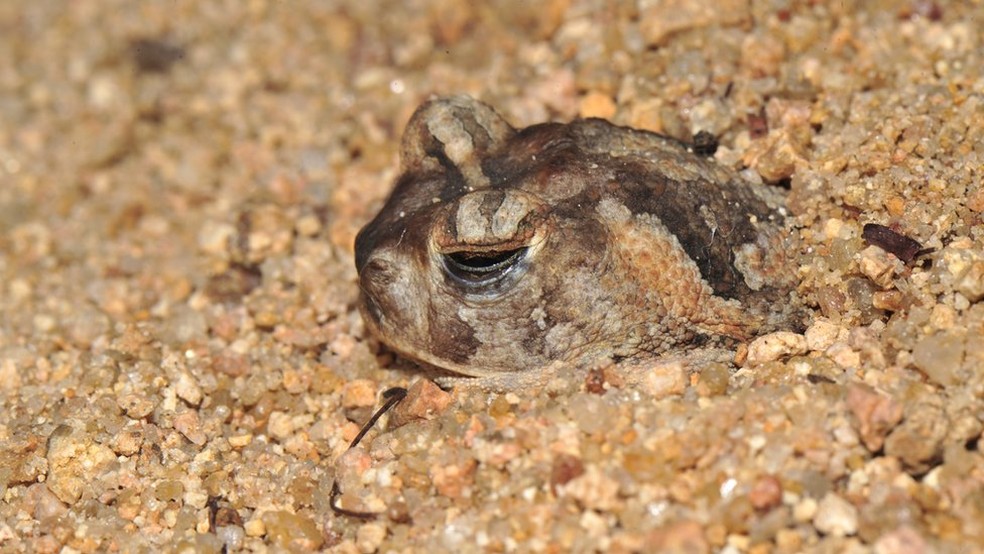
255, 527
965, 267
876, 414
805, 510
836, 516
563, 469
821, 334
240, 441
597, 104
189, 425
369, 537
889, 300
127, 441
198, 259
766, 493
918, 439
232, 536
42, 503
662, 18
844, 356
188, 390
776, 157
594, 524
291, 531
680, 536
280, 425
940, 356
664, 378
183, 326
592, 489
774, 346
904, 540
453, 479
73, 461
424, 400
359, 393
214, 237
879, 266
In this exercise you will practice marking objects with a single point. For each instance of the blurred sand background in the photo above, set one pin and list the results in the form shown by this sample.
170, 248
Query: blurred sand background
182, 365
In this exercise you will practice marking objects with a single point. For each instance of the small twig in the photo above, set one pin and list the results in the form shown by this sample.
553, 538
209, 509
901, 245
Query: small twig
213, 509
393, 397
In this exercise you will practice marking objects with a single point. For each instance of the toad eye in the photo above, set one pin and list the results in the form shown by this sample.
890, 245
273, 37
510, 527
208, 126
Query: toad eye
483, 268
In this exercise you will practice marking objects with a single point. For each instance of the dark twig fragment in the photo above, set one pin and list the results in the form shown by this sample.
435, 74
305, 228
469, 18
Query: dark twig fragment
903, 247
393, 397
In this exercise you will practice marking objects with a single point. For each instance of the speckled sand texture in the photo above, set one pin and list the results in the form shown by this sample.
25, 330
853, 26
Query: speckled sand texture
182, 365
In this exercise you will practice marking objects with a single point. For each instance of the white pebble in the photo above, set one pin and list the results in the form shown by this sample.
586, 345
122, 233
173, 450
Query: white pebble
836, 516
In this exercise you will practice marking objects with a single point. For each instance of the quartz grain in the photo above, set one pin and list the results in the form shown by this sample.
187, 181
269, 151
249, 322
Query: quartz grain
183, 367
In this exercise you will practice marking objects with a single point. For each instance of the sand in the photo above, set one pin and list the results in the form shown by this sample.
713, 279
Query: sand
182, 364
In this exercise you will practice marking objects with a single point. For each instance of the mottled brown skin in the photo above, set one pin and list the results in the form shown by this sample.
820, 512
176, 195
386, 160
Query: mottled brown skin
501, 251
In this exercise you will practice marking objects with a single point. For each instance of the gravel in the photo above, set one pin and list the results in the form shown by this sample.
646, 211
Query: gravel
182, 365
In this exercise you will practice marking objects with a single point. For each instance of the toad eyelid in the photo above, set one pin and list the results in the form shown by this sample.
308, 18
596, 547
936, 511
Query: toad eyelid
480, 270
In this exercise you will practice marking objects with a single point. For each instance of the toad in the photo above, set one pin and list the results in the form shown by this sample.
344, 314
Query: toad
501, 251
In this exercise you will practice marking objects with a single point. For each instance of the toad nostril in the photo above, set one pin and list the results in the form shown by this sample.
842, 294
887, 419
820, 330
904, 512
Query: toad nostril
378, 272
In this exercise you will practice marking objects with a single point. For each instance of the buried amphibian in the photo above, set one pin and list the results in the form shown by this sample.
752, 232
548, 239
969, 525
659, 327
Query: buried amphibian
501, 251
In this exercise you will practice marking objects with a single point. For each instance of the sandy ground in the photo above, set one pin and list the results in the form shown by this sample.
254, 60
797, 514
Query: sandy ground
182, 365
